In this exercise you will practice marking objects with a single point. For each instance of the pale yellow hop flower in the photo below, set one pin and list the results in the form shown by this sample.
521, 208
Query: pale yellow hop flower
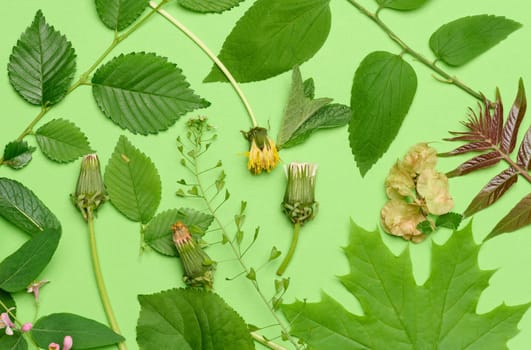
398, 183
263, 153
419, 157
433, 187
401, 219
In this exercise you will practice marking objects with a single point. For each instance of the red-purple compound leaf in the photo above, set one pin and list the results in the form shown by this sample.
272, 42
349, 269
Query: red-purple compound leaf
518, 217
524, 153
510, 130
478, 162
470, 147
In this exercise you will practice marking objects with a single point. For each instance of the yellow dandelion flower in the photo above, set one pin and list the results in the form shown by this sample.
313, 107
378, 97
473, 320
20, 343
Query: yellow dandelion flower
263, 153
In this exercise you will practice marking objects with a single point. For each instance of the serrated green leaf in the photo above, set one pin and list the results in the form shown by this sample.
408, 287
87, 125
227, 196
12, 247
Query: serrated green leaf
449, 220
86, 333
460, 41
14, 342
132, 182
143, 92
158, 233
383, 89
62, 141
425, 227
21, 268
330, 116
299, 109
190, 319
42, 64
272, 37
398, 313
403, 5
21, 207
209, 6
119, 14
17, 154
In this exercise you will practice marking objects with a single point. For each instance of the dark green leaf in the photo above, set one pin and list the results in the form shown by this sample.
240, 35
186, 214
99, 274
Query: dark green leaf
86, 333
42, 64
132, 182
22, 208
8, 301
425, 227
190, 319
272, 37
17, 154
517, 218
62, 141
143, 93
403, 5
449, 220
119, 14
383, 89
299, 109
158, 233
459, 41
309, 88
14, 342
330, 116
215, 6
398, 314
21, 268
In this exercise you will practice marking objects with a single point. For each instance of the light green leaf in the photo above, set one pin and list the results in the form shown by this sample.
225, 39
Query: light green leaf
42, 64
403, 5
143, 92
398, 313
17, 154
299, 109
14, 342
158, 233
449, 220
86, 333
215, 6
119, 14
132, 182
22, 267
383, 89
62, 141
21, 207
272, 37
460, 41
190, 319
330, 116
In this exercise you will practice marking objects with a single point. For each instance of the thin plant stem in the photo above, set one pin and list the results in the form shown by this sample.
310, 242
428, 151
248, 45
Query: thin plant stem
26, 335
99, 280
407, 49
289, 255
260, 339
212, 56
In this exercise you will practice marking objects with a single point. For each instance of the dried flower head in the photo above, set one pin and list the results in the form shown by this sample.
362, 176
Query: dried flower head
198, 267
263, 154
299, 199
419, 157
433, 187
90, 191
401, 219
399, 183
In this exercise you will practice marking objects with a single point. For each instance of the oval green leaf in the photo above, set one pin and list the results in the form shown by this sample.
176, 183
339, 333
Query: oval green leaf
383, 89
403, 5
42, 65
158, 233
14, 342
17, 154
8, 301
190, 319
272, 37
143, 93
209, 6
62, 141
21, 207
22, 267
86, 333
119, 14
460, 41
132, 182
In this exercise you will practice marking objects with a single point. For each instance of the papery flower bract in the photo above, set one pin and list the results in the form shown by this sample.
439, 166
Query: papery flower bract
198, 267
419, 157
67, 344
433, 187
90, 191
5, 322
299, 199
401, 219
263, 153
399, 183
35, 288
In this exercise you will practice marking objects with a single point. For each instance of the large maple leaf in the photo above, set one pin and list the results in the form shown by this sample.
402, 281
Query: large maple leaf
399, 314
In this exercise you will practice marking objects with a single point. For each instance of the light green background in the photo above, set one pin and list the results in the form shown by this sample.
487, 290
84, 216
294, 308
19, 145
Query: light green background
342, 193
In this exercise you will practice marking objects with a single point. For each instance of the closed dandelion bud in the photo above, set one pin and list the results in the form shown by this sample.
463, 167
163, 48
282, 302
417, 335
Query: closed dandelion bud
90, 191
263, 154
198, 267
299, 200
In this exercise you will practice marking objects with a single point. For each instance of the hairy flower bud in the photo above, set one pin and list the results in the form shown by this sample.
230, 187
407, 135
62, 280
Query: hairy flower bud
198, 267
90, 191
299, 200
263, 154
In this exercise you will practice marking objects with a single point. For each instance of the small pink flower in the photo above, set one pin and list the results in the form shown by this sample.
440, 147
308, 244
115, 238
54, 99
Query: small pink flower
26, 327
34, 288
5, 322
67, 344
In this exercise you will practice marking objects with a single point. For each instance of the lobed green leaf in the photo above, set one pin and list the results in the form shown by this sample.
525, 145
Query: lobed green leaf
209, 6
17, 154
62, 141
120, 14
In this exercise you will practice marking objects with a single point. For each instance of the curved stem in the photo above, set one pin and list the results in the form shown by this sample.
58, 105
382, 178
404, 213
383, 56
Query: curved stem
212, 56
262, 340
289, 255
26, 335
431, 65
99, 280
